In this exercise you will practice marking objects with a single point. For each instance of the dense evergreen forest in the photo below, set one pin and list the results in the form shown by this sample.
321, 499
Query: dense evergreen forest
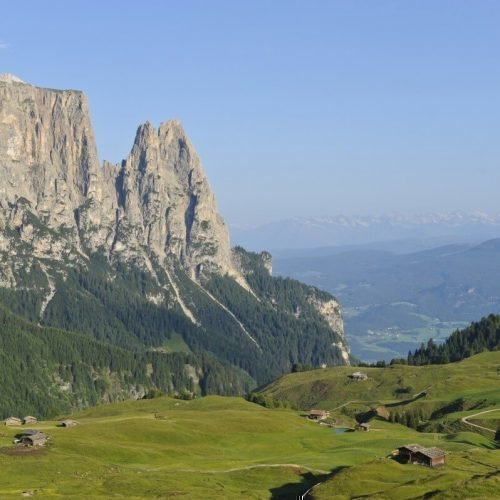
47, 371
478, 337
124, 306
280, 317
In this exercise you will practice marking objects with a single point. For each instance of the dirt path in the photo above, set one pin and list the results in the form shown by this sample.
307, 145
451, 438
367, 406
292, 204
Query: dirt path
345, 404
465, 420
249, 467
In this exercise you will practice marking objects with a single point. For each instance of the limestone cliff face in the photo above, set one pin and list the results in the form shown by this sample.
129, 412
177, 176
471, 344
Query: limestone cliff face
47, 150
156, 205
331, 312
167, 204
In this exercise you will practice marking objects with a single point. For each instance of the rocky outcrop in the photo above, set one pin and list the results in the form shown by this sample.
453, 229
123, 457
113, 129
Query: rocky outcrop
47, 150
167, 203
330, 310
157, 205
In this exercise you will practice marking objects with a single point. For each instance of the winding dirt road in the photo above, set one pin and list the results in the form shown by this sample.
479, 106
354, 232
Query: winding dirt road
465, 420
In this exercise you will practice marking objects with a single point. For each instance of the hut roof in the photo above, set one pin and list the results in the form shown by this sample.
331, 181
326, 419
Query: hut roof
318, 412
432, 452
12, 419
29, 432
428, 452
412, 447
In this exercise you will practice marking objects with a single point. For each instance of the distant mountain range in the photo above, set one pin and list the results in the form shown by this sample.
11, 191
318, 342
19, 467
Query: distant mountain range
393, 302
422, 230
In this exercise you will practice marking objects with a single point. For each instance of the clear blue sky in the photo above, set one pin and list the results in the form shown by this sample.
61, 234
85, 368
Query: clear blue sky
296, 107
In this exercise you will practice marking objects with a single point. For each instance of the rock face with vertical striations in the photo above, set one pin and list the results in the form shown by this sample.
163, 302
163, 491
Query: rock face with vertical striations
151, 220
158, 203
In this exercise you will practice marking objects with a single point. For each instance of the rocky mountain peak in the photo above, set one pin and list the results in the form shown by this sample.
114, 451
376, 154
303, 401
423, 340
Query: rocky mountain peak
167, 199
10, 78
157, 204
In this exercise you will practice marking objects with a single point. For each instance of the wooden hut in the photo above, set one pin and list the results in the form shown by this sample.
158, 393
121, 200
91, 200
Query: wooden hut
433, 457
365, 427
37, 439
29, 420
12, 421
414, 453
358, 376
318, 414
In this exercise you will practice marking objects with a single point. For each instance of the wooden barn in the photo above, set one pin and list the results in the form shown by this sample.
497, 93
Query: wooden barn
12, 421
414, 453
318, 414
29, 420
365, 427
34, 439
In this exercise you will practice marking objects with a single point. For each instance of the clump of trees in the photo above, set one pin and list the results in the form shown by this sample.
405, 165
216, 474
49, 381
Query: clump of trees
267, 401
476, 338
414, 417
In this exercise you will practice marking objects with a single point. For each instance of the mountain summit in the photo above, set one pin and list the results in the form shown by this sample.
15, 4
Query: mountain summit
136, 254
156, 204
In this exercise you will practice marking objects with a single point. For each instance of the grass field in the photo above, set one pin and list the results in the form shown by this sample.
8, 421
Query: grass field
229, 448
207, 448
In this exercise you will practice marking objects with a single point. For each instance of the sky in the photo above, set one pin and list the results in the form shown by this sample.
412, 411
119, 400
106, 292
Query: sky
297, 108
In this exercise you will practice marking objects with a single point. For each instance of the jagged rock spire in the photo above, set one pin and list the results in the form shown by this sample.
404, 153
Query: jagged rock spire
156, 204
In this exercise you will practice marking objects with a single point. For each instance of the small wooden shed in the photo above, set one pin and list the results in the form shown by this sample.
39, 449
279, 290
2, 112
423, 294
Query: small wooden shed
29, 420
414, 453
318, 414
432, 457
358, 376
365, 427
12, 421
36, 439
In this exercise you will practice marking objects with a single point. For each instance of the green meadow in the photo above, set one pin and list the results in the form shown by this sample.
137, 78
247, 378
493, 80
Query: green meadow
217, 447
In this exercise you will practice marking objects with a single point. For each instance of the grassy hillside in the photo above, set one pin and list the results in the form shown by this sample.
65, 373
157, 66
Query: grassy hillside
330, 387
211, 447
428, 398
